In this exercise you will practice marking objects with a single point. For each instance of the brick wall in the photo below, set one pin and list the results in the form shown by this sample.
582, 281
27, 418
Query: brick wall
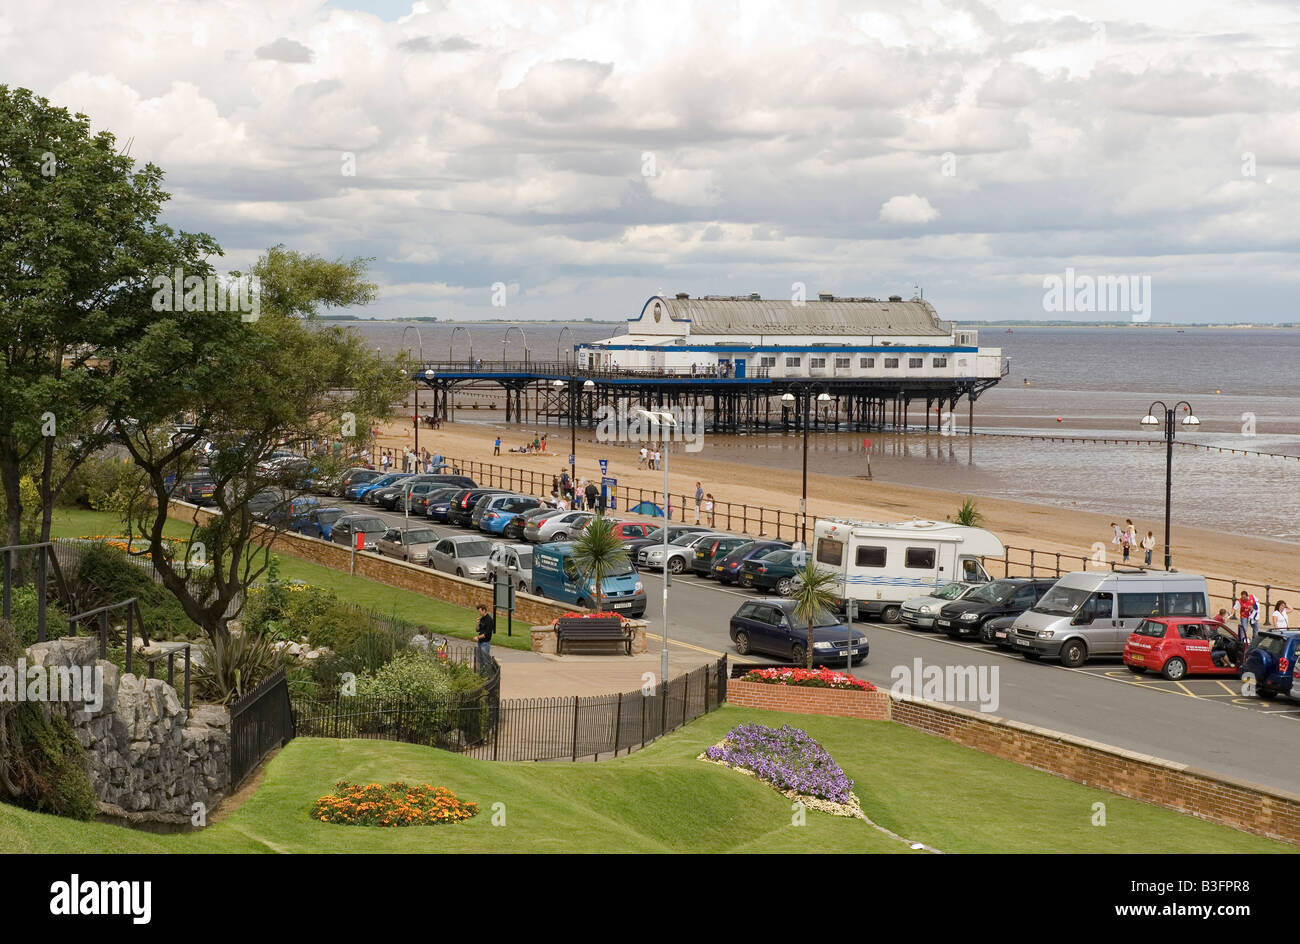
394, 573
873, 706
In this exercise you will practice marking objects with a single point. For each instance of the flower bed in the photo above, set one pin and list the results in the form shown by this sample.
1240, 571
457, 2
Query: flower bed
392, 804
790, 760
809, 678
603, 615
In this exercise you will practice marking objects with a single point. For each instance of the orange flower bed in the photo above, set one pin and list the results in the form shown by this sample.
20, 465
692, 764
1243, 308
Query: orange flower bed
391, 804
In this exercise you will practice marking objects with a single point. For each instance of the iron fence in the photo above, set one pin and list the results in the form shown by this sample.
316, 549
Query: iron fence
260, 721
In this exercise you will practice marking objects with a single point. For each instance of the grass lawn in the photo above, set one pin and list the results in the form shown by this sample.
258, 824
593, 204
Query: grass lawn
662, 799
446, 618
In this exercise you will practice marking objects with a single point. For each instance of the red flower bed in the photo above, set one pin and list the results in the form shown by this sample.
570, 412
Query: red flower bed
809, 678
605, 615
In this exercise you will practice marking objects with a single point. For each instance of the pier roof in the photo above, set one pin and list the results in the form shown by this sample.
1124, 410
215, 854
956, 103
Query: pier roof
747, 315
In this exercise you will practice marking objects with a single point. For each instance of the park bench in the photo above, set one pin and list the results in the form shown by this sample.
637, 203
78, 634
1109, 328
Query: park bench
592, 630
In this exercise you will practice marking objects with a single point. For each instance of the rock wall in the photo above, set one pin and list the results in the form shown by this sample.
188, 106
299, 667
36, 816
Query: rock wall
149, 758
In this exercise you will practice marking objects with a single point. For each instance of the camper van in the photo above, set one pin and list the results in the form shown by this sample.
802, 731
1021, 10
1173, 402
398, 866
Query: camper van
883, 565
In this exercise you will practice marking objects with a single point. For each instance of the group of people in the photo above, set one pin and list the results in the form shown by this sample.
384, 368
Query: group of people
538, 445
409, 461
1126, 539
650, 458
1229, 647
566, 493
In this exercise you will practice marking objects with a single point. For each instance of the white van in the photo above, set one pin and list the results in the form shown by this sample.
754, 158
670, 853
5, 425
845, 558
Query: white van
1092, 612
883, 565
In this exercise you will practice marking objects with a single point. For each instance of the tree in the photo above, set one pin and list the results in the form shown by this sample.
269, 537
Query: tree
969, 514
813, 593
249, 387
79, 239
599, 553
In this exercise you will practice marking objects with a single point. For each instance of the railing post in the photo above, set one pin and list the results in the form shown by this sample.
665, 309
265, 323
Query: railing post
130, 633
575, 728
7, 608
1031, 562
103, 634
40, 592
1006, 561
187, 676
618, 722
1058, 563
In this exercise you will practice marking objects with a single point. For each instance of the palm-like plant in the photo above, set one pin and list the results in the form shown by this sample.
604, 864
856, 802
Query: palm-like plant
969, 515
813, 593
598, 553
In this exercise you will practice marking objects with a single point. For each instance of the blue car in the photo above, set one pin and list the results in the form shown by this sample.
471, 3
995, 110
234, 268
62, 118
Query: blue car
357, 492
770, 627
439, 508
317, 522
500, 510
1270, 664
282, 515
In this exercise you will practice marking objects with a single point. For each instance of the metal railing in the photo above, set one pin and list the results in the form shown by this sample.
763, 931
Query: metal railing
563, 369
260, 721
135, 620
11, 560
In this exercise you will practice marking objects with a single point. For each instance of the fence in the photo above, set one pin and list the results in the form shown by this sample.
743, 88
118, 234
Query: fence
260, 721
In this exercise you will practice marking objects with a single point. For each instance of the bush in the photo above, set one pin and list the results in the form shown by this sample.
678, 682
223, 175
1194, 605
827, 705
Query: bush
225, 671
101, 484
414, 677
392, 804
24, 617
105, 575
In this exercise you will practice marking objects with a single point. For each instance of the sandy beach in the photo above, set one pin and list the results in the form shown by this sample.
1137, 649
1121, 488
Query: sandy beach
1018, 524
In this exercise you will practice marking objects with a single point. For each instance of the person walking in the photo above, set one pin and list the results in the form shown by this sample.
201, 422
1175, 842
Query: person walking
1280, 620
486, 627
699, 500
591, 493
1148, 545
641, 458
496, 447
708, 508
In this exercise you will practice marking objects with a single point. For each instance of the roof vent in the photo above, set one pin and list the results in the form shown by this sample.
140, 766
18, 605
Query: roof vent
683, 295
895, 298
754, 296
825, 297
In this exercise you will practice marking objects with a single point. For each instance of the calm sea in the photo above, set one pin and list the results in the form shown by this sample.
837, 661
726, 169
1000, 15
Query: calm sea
1243, 384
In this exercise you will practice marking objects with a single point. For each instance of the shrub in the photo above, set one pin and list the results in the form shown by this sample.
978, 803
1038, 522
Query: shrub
102, 484
224, 671
392, 804
105, 575
786, 757
415, 677
24, 617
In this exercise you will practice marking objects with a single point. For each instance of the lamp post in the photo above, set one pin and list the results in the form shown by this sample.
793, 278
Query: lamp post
575, 396
662, 418
415, 379
803, 391
1151, 420
506, 338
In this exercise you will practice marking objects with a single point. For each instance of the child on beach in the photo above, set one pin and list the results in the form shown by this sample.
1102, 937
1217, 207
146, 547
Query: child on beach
1128, 538
1148, 545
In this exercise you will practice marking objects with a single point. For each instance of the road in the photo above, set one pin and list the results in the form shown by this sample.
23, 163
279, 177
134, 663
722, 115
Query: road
1204, 723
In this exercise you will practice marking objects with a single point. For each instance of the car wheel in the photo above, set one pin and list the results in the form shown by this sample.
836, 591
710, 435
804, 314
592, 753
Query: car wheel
1265, 693
1137, 669
798, 654
523, 587
1074, 653
889, 614
676, 565
742, 643
459, 572
1174, 669
784, 586
539, 592
560, 536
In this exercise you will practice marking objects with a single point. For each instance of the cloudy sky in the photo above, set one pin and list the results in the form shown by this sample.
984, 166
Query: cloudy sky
589, 154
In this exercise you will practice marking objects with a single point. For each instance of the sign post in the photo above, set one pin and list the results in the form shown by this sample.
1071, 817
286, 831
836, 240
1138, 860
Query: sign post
503, 598
866, 444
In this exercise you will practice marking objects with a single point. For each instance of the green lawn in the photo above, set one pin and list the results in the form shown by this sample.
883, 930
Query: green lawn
662, 799
446, 618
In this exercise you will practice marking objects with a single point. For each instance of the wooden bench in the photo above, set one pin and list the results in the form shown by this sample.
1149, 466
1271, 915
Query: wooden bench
599, 630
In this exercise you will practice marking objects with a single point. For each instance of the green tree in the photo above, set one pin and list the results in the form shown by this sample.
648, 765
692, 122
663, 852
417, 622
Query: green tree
813, 593
599, 553
969, 514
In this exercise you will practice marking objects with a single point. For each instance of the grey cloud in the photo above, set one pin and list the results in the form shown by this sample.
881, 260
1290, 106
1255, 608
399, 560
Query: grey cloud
285, 50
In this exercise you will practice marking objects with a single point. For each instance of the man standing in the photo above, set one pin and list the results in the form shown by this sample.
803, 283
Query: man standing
486, 627
496, 447
592, 493
641, 457
1148, 544
699, 500
1246, 609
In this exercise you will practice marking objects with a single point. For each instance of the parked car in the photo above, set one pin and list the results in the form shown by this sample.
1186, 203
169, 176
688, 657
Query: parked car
416, 501
919, 612
260, 504
463, 504
631, 530
197, 488
728, 569
770, 627
318, 522
998, 632
636, 545
408, 544
556, 576
369, 494
1090, 613
558, 527
493, 501
357, 490
354, 476
464, 555
773, 570
1178, 646
709, 552
1009, 596
283, 514
514, 529
346, 529
681, 551
516, 560
1271, 663
500, 512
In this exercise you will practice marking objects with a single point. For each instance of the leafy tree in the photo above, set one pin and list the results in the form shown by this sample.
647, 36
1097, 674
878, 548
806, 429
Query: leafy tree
813, 593
599, 553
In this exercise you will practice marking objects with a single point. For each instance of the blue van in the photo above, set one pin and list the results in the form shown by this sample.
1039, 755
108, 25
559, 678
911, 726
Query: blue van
555, 576
1271, 664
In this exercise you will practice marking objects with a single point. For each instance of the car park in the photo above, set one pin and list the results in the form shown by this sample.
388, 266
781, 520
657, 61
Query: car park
773, 570
558, 527
920, 612
1092, 613
500, 512
514, 561
1008, 596
283, 514
1270, 665
708, 552
680, 551
465, 555
408, 544
461, 510
557, 577
318, 522
728, 569
347, 527
656, 537
770, 627
1178, 646
514, 529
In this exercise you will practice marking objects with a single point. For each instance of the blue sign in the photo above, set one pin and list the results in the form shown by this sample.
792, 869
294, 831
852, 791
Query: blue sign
571, 458
604, 466
607, 485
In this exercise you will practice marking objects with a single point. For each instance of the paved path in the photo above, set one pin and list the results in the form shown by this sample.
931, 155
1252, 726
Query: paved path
533, 675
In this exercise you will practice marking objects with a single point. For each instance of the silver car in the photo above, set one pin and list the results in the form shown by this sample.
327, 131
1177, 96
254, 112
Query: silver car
516, 560
921, 611
465, 555
408, 544
558, 527
680, 552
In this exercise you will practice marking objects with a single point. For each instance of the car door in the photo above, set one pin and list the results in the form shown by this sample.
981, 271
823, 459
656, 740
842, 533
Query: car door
746, 621
1197, 644
443, 555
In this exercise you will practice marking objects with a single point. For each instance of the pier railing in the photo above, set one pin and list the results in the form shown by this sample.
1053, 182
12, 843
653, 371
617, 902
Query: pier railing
562, 369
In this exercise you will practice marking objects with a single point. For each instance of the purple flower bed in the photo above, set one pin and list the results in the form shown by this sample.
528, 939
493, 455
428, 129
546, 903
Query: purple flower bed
785, 757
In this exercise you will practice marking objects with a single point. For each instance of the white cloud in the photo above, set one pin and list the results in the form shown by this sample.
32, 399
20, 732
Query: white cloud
907, 209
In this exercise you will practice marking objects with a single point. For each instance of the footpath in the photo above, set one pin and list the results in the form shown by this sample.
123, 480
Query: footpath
537, 675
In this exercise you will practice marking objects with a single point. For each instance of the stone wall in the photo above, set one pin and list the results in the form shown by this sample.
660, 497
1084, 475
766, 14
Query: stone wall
149, 758
394, 573
872, 706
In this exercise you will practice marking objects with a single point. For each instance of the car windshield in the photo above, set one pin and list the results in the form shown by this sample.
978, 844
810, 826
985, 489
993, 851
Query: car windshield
1151, 628
420, 537
474, 549
526, 560
683, 540
952, 591
656, 535
1273, 645
370, 524
1062, 601
621, 570
822, 619
992, 593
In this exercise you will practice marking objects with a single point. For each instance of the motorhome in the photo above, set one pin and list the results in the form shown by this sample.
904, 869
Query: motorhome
883, 565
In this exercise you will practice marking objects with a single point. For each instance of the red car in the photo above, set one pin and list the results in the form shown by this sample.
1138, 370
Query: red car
632, 530
1176, 646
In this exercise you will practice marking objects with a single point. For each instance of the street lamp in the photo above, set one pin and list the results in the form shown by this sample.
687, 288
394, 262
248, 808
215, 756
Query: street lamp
1151, 421
416, 381
663, 418
804, 391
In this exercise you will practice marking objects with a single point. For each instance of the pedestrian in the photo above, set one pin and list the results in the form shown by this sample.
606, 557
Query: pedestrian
591, 493
544, 435
1148, 545
555, 486
1118, 538
486, 627
642, 458
658, 459
496, 447
420, 642
1280, 620
383, 461
699, 500
1246, 609
1128, 538
708, 508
